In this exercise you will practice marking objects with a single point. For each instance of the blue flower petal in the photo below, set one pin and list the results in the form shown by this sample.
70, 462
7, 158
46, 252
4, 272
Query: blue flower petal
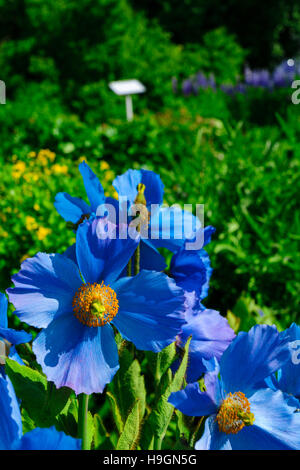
15, 356
192, 402
252, 357
44, 288
47, 439
151, 310
202, 237
126, 186
211, 335
77, 356
3, 311
191, 271
10, 416
93, 187
104, 259
289, 374
276, 425
71, 253
14, 336
151, 259
212, 438
70, 208
171, 226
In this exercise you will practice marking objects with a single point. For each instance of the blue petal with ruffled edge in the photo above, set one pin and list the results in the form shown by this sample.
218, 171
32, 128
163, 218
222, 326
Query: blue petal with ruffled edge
212, 438
77, 356
252, 357
211, 335
288, 377
15, 337
276, 425
44, 288
151, 310
93, 187
71, 208
126, 186
104, 259
10, 416
192, 402
47, 439
170, 227
192, 271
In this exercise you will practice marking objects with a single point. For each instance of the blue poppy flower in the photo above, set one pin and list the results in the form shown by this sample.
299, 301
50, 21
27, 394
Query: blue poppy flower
287, 378
76, 305
11, 437
241, 415
192, 271
210, 332
168, 227
74, 209
9, 338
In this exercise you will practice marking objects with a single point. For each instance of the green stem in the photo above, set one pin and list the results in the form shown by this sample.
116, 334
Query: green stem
137, 259
157, 443
129, 267
83, 420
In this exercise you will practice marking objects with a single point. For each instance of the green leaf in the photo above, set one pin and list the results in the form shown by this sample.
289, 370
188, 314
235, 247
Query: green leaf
163, 360
161, 415
101, 434
129, 385
116, 411
130, 435
42, 401
67, 420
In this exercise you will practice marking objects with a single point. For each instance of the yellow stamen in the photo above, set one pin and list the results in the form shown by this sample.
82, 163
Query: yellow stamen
140, 198
95, 304
234, 413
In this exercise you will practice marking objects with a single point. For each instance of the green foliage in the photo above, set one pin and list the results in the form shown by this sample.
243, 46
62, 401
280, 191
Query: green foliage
219, 54
160, 416
41, 400
130, 434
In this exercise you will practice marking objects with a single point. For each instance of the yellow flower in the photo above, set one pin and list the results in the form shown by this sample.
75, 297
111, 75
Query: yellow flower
30, 223
104, 165
60, 169
18, 169
36, 207
24, 257
82, 159
32, 154
109, 175
43, 232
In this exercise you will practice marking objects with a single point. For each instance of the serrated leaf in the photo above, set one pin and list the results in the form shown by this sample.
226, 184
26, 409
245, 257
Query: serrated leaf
162, 361
130, 435
129, 385
67, 420
116, 411
101, 434
161, 415
41, 399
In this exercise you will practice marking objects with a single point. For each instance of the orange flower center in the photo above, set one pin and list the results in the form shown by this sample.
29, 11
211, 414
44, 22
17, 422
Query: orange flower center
234, 413
95, 304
